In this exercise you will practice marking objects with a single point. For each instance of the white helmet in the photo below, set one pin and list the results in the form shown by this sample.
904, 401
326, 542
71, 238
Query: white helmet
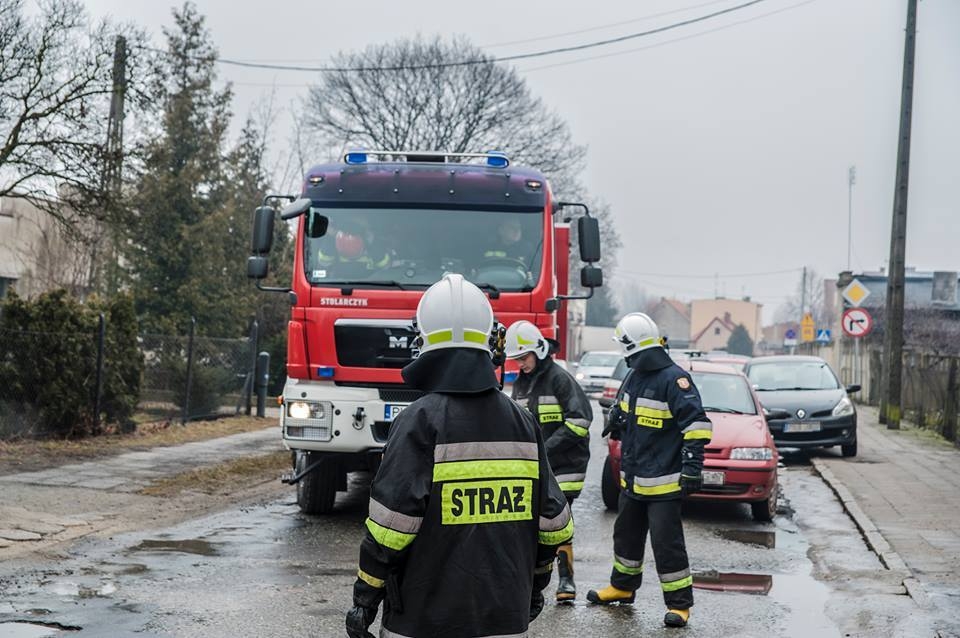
523, 337
453, 313
636, 332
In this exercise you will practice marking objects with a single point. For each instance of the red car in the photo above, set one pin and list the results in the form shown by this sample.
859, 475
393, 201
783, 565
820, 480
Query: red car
740, 462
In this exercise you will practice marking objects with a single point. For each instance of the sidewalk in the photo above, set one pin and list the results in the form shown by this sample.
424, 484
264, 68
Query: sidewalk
903, 491
121, 475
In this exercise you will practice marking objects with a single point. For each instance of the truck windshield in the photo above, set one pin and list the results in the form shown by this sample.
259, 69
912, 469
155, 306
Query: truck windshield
415, 247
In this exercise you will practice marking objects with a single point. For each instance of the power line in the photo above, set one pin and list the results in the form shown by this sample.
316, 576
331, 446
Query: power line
712, 276
484, 60
601, 27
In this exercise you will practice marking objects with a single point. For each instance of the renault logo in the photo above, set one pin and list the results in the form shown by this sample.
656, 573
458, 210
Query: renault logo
801, 413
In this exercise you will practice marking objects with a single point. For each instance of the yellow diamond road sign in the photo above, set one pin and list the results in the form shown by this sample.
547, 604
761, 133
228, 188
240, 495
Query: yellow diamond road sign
855, 293
806, 328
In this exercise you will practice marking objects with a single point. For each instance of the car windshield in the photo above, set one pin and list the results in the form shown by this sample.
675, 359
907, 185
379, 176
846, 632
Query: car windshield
792, 375
620, 372
724, 393
415, 247
600, 359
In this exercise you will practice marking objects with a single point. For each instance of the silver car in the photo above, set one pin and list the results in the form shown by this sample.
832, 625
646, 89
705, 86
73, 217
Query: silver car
594, 368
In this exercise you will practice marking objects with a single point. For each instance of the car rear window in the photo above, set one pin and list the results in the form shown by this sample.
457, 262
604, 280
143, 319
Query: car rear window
792, 375
600, 359
724, 392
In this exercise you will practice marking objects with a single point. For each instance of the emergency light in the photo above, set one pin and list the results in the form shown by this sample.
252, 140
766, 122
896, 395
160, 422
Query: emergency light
326, 372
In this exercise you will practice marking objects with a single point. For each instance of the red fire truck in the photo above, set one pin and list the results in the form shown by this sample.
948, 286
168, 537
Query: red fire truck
374, 231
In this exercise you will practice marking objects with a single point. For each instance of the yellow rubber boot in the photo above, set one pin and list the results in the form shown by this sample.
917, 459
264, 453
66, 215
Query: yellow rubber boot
610, 595
676, 617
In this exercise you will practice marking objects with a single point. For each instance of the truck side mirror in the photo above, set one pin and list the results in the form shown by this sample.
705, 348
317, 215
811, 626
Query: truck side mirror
257, 267
588, 236
262, 230
591, 277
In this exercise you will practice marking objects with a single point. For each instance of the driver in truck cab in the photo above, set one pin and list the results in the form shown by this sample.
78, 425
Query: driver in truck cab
350, 246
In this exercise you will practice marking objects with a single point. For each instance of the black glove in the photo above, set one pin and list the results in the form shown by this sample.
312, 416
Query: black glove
616, 420
359, 619
536, 604
690, 483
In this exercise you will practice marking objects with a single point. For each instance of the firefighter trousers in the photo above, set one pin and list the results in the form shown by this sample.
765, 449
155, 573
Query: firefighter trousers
662, 520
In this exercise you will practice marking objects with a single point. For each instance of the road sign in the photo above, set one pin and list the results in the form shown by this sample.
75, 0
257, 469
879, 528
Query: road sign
806, 328
790, 334
855, 293
823, 336
790, 343
856, 322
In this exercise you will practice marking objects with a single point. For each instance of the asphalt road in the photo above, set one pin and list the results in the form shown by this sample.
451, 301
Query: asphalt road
266, 570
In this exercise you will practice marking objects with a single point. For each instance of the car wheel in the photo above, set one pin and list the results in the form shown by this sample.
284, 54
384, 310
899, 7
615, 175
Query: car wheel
849, 450
609, 488
764, 511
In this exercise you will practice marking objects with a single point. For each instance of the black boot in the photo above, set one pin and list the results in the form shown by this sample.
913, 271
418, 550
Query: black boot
566, 589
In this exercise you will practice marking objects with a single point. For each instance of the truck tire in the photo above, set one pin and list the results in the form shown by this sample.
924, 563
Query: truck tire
317, 491
609, 488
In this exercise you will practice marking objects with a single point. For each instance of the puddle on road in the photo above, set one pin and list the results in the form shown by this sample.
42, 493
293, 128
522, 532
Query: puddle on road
186, 546
750, 537
755, 584
30, 630
70, 588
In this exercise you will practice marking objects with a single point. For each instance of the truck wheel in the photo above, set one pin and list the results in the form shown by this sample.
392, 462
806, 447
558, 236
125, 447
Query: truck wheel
609, 488
317, 491
764, 511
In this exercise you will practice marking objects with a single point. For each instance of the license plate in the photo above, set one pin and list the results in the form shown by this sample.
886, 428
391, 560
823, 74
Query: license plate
712, 478
802, 426
391, 410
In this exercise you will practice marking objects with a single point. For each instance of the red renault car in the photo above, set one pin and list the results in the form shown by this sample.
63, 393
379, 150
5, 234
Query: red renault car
740, 462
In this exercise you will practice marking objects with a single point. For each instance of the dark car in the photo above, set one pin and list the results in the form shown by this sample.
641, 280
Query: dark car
806, 405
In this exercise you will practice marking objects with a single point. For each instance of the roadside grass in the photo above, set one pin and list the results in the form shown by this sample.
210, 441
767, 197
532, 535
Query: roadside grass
31, 455
224, 477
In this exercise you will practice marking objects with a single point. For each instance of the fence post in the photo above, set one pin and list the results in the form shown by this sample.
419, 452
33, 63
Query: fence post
186, 396
262, 381
950, 406
98, 389
254, 342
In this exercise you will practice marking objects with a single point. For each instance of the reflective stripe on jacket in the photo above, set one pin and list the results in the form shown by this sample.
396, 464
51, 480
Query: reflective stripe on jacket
563, 410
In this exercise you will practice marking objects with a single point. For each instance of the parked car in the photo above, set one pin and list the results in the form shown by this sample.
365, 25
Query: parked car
737, 361
594, 368
612, 386
807, 406
740, 461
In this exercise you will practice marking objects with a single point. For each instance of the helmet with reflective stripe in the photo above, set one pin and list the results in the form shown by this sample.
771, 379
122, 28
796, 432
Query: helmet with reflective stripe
523, 337
636, 332
453, 313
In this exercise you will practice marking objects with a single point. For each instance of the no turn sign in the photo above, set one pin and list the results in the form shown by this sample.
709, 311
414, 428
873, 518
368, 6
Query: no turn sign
856, 322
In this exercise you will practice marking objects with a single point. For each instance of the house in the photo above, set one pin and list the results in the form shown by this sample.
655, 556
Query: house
673, 318
35, 253
741, 311
715, 334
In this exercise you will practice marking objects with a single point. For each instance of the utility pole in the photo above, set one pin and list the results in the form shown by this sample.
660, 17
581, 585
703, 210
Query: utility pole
893, 331
851, 180
803, 294
111, 177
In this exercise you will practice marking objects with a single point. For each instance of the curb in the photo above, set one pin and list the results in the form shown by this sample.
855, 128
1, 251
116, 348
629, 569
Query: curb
874, 539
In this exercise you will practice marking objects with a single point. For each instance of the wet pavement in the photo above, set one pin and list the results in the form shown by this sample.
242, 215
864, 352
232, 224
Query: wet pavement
266, 570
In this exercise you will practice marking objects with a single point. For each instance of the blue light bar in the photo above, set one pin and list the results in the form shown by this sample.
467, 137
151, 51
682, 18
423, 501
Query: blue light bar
326, 372
510, 377
497, 159
355, 157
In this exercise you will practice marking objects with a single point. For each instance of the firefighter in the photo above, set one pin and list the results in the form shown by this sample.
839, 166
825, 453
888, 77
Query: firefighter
663, 430
353, 250
465, 515
563, 410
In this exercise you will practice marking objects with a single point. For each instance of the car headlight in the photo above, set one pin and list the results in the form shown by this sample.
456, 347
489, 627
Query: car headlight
844, 407
305, 410
579, 376
751, 454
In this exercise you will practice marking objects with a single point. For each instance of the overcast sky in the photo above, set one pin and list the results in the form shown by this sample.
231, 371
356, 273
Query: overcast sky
723, 148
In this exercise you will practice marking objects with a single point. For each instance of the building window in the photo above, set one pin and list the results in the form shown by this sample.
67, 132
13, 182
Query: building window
716, 331
5, 285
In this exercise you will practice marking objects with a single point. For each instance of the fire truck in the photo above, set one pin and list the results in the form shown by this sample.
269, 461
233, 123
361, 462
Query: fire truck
373, 232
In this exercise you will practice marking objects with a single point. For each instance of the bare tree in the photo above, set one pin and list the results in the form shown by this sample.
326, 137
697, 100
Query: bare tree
55, 83
810, 295
409, 96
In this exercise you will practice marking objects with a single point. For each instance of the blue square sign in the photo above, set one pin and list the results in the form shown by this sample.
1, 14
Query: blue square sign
823, 336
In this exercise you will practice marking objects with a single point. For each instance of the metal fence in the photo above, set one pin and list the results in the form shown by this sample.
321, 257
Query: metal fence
185, 377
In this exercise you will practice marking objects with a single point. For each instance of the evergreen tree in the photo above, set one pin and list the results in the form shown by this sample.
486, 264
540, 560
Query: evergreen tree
740, 342
182, 181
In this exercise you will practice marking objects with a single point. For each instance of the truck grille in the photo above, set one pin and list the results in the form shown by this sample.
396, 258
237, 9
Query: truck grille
373, 346
307, 432
399, 395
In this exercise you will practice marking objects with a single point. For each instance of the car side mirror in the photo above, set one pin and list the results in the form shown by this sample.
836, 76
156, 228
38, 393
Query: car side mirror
855, 387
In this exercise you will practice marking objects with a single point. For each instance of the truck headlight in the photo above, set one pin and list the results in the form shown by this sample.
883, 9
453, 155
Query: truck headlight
305, 410
751, 454
844, 407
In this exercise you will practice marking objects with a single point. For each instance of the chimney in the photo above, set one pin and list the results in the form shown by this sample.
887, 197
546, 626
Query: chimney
726, 317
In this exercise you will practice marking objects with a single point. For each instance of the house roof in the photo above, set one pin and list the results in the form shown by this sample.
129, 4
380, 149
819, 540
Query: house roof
682, 308
723, 321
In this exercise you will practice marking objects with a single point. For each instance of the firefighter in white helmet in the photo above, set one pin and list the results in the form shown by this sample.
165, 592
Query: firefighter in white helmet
465, 515
663, 430
563, 410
